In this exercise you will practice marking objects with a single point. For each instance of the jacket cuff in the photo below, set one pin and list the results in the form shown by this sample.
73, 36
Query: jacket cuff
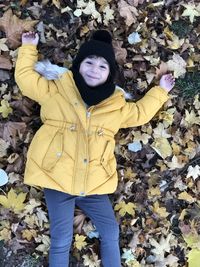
28, 48
159, 92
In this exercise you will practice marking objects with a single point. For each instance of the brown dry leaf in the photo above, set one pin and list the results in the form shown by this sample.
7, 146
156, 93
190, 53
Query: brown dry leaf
79, 220
5, 63
120, 53
56, 3
11, 129
24, 105
14, 27
23, 2
135, 2
128, 12
163, 68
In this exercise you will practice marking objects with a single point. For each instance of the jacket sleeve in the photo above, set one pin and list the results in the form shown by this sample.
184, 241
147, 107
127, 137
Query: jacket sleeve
141, 112
31, 83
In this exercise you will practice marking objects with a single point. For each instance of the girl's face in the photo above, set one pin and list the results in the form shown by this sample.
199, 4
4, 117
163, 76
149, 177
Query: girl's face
94, 70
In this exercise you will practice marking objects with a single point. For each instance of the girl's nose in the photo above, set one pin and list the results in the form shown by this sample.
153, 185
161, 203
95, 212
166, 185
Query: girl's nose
95, 68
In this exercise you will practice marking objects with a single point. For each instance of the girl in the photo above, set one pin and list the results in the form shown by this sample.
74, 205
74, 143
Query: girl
72, 155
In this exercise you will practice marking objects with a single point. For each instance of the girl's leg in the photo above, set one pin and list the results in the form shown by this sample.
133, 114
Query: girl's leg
99, 209
61, 212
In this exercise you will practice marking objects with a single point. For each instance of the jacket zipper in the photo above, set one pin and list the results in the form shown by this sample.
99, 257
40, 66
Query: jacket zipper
88, 115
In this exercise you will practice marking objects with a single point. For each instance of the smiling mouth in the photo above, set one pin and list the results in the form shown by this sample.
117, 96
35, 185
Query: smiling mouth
92, 77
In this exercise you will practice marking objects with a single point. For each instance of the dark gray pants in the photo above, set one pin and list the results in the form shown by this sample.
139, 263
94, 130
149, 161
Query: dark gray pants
61, 213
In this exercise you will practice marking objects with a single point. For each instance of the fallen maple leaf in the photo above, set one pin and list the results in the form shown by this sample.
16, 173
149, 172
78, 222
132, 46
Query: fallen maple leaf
190, 11
120, 53
125, 208
175, 164
44, 247
162, 146
193, 172
161, 247
128, 12
14, 27
190, 118
91, 261
13, 201
3, 147
161, 211
29, 234
185, 196
5, 108
178, 65
11, 130
5, 234
80, 241
108, 15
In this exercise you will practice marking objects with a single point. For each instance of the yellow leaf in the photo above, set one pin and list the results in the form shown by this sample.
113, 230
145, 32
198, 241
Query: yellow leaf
193, 257
185, 196
80, 241
160, 131
125, 208
190, 118
103, 2
168, 33
175, 43
160, 211
129, 174
5, 234
138, 136
154, 191
13, 201
162, 147
5, 108
29, 234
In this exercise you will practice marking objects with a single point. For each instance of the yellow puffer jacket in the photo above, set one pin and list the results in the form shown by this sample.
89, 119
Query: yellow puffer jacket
73, 151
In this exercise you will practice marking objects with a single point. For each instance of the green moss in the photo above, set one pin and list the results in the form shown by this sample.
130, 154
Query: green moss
181, 28
189, 86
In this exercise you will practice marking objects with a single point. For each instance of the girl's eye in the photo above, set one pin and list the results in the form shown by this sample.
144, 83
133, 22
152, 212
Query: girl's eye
88, 62
103, 67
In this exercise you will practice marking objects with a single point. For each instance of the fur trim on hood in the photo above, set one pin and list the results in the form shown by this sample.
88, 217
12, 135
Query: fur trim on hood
52, 72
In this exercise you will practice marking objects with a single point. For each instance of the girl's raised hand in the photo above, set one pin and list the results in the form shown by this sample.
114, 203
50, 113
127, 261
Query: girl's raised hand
30, 38
167, 82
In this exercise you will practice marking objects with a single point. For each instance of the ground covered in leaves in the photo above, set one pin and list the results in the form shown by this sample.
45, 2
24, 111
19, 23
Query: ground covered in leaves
156, 202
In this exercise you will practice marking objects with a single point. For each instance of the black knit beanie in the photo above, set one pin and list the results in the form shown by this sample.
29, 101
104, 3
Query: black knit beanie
100, 45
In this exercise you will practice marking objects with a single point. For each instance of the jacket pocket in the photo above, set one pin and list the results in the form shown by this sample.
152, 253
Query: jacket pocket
107, 159
53, 152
